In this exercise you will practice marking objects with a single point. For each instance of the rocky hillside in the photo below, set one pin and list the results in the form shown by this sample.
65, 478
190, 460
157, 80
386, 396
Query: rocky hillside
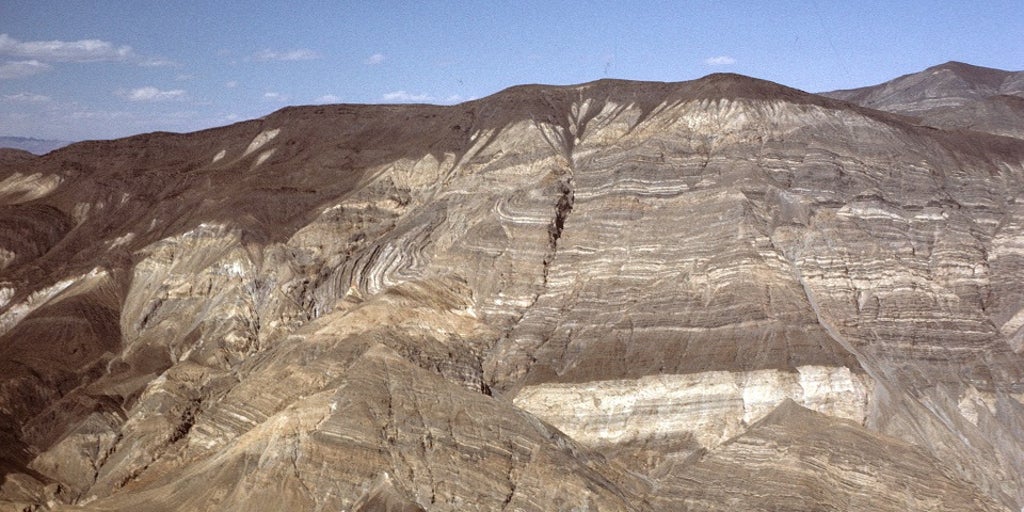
722, 294
951, 96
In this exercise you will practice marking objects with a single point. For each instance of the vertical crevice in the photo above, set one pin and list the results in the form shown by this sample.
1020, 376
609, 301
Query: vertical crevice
563, 207
558, 138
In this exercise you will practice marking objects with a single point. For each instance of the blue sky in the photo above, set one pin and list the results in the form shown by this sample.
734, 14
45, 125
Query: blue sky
75, 70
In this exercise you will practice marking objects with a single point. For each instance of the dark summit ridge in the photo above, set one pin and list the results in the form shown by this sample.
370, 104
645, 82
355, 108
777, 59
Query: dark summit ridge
952, 81
985, 80
717, 86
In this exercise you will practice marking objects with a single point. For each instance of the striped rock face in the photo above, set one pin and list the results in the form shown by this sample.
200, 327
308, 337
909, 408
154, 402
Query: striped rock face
721, 294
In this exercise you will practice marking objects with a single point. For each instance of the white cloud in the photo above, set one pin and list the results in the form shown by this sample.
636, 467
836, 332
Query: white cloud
157, 62
275, 96
85, 50
152, 94
377, 58
328, 98
405, 97
231, 84
721, 60
99, 115
26, 97
290, 55
22, 68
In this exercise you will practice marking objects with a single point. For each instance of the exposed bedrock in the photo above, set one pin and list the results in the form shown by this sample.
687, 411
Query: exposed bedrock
614, 296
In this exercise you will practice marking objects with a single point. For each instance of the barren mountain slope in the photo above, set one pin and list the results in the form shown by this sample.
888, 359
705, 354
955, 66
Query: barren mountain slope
781, 462
951, 95
554, 298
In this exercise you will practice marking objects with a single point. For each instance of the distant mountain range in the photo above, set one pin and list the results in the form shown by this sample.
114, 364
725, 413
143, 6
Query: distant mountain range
35, 146
953, 95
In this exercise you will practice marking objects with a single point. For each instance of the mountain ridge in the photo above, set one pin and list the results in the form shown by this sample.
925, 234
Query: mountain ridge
552, 297
977, 80
950, 95
449, 131
32, 145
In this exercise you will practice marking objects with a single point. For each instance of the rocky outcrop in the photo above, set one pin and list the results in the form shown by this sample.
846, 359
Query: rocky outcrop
612, 296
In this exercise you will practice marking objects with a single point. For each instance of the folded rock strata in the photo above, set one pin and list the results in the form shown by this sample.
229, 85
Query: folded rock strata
588, 297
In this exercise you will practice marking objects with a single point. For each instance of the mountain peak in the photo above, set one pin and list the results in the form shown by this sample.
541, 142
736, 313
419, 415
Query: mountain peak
978, 75
950, 95
957, 65
648, 95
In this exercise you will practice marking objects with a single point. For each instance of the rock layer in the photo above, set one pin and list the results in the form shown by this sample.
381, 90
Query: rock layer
795, 459
589, 297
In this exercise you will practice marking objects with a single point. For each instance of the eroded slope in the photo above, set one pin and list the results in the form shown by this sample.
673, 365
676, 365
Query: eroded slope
353, 307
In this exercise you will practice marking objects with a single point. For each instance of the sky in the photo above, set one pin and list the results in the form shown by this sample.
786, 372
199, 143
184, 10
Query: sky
75, 70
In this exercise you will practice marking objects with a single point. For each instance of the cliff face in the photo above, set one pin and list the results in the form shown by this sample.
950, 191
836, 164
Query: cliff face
613, 296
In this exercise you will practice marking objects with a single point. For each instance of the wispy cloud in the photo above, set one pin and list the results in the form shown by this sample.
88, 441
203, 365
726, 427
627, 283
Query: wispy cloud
405, 97
275, 96
152, 94
22, 68
157, 62
84, 50
377, 58
408, 97
99, 115
721, 60
231, 84
285, 56
26, 97
328, 98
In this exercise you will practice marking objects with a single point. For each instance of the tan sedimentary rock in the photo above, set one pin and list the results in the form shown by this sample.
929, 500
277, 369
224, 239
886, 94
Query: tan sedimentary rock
709, 407
610, 296
795, 459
